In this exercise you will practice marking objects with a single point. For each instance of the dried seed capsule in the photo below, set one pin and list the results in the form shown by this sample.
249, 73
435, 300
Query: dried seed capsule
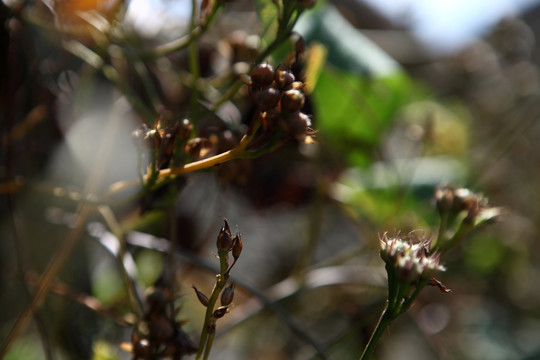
297, 124
267, 98
284, 78
203, 299
184, 129
152, 138
220, 312
224, 240
262, 75
198, 147
292, 100
237, 246
227, 295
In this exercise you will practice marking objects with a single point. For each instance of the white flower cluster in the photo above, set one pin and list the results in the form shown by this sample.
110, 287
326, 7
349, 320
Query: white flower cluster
411, 261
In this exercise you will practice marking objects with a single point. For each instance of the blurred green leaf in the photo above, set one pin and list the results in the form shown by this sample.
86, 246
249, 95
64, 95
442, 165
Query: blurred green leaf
108, 286
484, 253
267, 13
150, 266
353, 112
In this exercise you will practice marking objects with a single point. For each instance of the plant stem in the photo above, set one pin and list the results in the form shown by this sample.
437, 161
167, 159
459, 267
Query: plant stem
193, 53
385, 320
184, 41
134, 301
209, 341
221, 280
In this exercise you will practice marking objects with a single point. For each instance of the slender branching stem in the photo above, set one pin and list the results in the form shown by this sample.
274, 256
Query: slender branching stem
385, 320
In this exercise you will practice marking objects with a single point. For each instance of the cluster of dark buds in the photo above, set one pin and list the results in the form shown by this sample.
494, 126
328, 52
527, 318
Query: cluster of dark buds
157, 147
279, 97
226, 244
461, 211
158, 335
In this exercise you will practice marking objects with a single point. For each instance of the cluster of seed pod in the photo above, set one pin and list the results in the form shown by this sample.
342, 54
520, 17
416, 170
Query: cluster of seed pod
279, 98
162, 141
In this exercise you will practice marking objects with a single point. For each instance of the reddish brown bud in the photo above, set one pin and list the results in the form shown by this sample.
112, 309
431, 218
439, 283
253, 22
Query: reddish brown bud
185, 129
292, 100
203, 299
227, 295
297, 124
152, 139
198, 147
224, 240
262, 75
284, 78
237, 246
267, 98
220, 312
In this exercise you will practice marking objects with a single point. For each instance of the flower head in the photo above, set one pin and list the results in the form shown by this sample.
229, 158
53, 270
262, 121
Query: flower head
411, 261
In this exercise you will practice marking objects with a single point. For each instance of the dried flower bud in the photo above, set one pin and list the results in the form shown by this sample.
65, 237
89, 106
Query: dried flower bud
227, 295
152, 139
292, 100
185, 129
203, 299
224, 240
262, 75
268, 98
220, 312
297, 124
198, 147
284, 78
444, 197
237, 246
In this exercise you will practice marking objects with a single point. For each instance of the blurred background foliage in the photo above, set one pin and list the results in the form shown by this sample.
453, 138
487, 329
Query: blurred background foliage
393, 121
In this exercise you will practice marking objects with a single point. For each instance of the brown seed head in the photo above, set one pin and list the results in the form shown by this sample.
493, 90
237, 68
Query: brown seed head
237, 246
227, 295
220, 312
292, 100
262, 75
224, 240
203, 299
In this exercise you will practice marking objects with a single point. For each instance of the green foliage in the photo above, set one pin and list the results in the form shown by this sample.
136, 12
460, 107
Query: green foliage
354, 112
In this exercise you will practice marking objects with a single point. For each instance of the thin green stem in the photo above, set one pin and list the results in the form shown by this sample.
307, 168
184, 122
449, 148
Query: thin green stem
110, 219
209, 325
209, 341
185, 40
194, 67
385, 320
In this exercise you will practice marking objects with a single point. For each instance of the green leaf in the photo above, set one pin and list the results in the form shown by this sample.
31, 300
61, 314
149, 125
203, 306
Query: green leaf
352, 112
267, 12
